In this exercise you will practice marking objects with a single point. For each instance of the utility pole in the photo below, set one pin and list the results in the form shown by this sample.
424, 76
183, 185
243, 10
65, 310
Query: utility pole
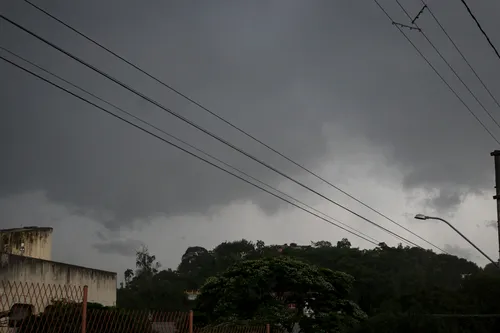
496, 155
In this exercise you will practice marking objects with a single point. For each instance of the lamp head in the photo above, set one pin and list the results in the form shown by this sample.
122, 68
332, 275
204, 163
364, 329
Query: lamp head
421, 217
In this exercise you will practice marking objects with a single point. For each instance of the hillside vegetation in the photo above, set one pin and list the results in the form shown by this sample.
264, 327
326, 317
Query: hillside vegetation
398, 288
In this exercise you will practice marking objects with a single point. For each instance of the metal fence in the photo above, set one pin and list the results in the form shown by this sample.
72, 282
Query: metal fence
47, 308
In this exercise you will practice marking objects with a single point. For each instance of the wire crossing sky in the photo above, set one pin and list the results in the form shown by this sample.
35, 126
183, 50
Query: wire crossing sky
326, 94
188, 152
227, 122
177, 115
356, 232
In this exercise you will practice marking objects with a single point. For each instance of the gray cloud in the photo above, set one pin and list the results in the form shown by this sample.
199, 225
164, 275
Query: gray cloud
460, 251
492, 224
299, 68
442, 199
101, 236
73, 233
124, 247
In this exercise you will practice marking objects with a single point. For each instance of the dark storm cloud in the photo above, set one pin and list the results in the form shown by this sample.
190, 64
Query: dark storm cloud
84, 157
435, 141
281, 70
444, 198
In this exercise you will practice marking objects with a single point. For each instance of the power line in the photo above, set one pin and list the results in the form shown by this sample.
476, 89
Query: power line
439, 75
450, 66
183, 142
177, 115
481, 28
228, 122
428, 62
461, 53
179, 147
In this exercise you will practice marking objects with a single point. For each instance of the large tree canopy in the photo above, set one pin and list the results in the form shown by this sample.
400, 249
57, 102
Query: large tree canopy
261, 291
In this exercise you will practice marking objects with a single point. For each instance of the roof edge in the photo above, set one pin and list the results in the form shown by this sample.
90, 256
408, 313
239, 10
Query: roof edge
24, 258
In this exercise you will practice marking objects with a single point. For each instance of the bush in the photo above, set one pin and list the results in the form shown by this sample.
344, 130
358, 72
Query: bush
67, 318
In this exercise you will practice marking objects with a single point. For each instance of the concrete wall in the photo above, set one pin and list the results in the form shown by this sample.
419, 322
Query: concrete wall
37, 281
29, 242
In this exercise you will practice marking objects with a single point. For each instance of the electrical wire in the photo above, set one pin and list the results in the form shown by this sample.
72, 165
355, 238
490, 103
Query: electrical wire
229, 123
178, 147
439, 75
461, 53
218, 138
184, 142
481, 28
450, 66
419, 29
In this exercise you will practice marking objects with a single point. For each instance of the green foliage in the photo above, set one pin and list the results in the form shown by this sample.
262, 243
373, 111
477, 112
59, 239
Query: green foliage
146, 263
149, 288
398, 287
344, 244
259, 292
67, 317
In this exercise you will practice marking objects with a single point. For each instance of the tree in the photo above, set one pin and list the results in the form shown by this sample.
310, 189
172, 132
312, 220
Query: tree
145, 262
228, 253
322, 244
193, 251
197, 265
491, 268
260, 291
236, 250
344, 244
383, 246
129, 275
150, 288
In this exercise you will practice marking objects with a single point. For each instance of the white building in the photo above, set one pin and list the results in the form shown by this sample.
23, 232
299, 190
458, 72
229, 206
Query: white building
29, 276
34, 242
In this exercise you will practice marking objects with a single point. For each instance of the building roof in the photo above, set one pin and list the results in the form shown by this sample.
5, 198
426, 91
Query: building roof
15, 258
30, 228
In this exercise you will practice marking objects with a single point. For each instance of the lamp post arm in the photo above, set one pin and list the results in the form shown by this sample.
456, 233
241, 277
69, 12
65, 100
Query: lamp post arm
463, 236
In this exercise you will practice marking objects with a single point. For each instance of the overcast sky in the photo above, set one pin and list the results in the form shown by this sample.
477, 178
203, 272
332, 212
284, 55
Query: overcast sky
331, 84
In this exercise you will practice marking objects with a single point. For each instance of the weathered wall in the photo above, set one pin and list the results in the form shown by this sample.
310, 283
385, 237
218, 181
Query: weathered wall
38, 275
35, 242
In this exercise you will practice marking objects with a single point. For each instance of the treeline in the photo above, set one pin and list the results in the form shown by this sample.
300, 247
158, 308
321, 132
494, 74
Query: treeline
399, 288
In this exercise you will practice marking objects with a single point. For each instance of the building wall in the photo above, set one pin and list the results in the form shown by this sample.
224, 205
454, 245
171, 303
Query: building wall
37, 281
29, 242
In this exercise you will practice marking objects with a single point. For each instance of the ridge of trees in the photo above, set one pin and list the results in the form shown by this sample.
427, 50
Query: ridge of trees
399, 288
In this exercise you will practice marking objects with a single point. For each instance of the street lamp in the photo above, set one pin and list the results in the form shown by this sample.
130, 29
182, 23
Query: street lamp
425, 217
